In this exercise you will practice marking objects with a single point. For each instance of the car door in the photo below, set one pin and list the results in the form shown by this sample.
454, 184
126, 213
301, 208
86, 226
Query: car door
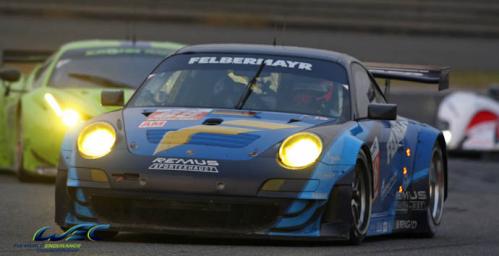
383, 140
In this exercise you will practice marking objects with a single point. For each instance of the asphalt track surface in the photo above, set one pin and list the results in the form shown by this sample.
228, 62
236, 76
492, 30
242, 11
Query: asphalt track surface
470, 225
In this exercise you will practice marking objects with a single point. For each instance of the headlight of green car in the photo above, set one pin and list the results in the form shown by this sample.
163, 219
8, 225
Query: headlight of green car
68, 116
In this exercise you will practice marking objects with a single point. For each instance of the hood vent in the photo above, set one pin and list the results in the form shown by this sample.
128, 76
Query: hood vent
213, 121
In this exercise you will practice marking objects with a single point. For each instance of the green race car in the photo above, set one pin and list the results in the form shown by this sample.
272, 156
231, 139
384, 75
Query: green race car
37, 110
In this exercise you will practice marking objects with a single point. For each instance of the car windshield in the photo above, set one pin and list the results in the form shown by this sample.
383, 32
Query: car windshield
106, 67
252, 82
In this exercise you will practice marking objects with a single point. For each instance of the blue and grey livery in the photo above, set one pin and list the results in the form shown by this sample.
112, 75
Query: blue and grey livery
204, 163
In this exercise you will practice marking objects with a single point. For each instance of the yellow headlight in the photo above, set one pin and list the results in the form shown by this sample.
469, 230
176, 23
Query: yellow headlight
300, 150
96, 140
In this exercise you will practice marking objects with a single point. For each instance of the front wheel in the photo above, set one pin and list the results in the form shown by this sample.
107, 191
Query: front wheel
361, 201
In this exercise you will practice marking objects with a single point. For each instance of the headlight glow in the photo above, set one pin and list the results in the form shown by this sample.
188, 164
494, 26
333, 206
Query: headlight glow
69, 117
447, 136
300, 150
96, 140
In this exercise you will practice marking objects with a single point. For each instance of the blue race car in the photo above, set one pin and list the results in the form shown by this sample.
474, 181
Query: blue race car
258, 141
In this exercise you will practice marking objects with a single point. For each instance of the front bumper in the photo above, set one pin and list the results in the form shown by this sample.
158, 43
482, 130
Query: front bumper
122, 191
204, 215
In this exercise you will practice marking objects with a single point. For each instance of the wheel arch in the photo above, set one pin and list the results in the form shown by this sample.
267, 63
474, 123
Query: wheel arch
428, 137
443, 146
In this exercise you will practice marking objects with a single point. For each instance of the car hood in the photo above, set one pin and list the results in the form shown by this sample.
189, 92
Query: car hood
85, 101
210, 133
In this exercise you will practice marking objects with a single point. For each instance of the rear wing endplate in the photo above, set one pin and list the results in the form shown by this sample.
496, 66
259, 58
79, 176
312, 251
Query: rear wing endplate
412, 73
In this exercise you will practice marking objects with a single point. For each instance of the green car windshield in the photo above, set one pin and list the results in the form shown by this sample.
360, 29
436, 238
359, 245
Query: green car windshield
117, 67
251, 82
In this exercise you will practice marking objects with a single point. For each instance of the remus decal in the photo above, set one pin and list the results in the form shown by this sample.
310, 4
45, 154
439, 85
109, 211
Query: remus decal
186, 165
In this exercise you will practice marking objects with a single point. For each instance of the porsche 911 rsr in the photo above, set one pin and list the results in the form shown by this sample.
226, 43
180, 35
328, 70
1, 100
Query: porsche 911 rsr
257, 141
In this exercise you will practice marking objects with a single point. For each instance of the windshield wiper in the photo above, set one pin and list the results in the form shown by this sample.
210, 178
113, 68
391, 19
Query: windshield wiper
106, 82
249, 88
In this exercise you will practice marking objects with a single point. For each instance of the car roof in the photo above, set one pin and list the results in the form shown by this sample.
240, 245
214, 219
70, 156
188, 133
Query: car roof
269, 50
85, 44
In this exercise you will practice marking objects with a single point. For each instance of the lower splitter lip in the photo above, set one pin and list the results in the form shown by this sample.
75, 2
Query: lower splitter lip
195, 215
165, 211
224, 234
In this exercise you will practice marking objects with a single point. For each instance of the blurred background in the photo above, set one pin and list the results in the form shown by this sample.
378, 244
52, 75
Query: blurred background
457, 33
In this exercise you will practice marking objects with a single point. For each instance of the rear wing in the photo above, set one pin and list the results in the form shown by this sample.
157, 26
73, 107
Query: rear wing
23, 60
412, 73
24, 56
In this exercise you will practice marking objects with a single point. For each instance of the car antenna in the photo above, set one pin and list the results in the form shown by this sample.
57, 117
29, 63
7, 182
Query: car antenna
284, 23
274, 42
133, 36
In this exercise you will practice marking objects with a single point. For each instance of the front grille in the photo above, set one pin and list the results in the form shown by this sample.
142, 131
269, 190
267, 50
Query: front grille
181, 214
221, 140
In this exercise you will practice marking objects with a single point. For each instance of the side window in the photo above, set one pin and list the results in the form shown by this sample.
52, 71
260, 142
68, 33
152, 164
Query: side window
375, 93
363, 89
366, 90
39, 74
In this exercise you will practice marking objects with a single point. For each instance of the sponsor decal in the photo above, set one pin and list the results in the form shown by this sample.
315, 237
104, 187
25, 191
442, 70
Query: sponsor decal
126, 51
152, 124
375, 156
397, 134
183, 114
411, 195
185, 165
386, 187
252, 61
411, 200
382, 227
406, 224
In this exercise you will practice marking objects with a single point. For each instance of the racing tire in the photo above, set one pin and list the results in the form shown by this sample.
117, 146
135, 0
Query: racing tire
361, 201
436, 195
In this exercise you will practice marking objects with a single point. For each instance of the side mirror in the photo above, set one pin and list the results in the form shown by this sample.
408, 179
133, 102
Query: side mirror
115, 98
382, 111
10, 75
